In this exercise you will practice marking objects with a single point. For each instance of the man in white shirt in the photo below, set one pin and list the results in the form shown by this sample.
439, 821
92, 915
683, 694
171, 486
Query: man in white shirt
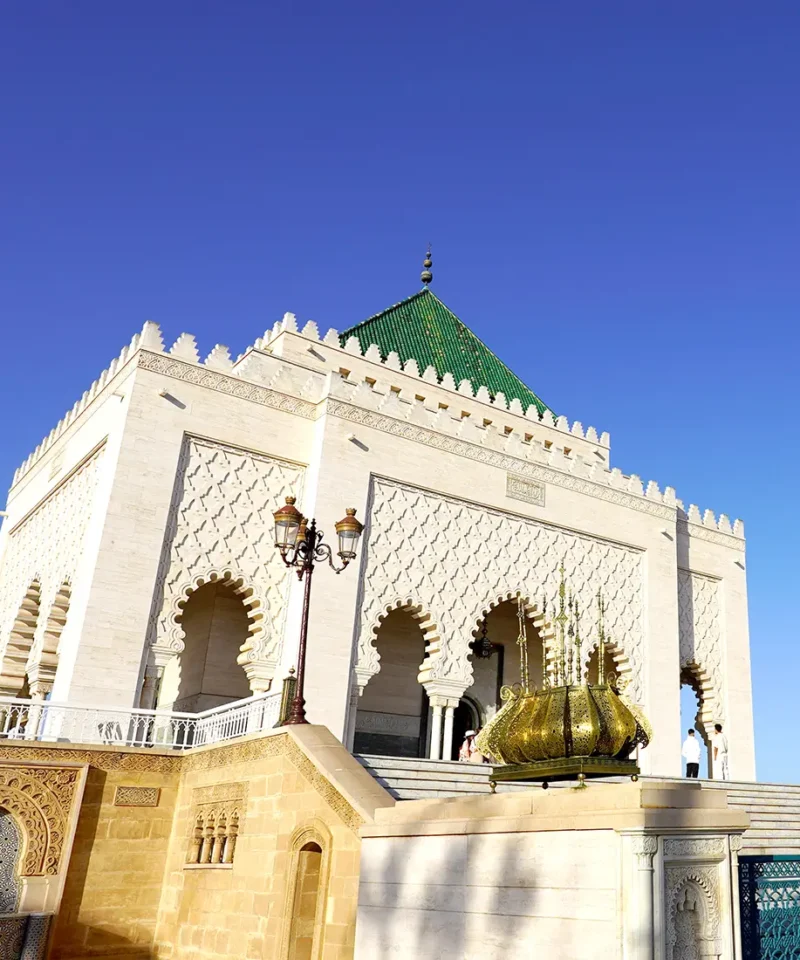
691, 754
720, 742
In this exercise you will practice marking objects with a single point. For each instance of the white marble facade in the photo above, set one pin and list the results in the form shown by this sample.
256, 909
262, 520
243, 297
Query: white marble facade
163, 477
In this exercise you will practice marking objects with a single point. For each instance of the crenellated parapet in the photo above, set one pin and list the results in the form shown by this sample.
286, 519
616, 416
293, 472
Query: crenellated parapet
298, 362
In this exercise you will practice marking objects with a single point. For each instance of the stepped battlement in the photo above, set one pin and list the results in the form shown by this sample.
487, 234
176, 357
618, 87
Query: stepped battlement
301, 363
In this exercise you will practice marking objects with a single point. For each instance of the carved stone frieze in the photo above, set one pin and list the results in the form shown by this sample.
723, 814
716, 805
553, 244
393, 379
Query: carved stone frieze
518, 488
144, 761
495, 458
697, 847
40, 798
125, 796
420, 551
234, 386
280, 745
221, 528
699, 532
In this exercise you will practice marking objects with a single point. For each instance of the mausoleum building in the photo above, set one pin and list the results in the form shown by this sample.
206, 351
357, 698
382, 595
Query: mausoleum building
138, 568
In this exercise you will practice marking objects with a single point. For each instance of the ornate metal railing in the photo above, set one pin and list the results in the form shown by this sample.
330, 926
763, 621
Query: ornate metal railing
769, 891
71, 723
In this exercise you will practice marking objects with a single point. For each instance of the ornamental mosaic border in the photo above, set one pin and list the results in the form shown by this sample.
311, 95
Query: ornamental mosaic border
169, 366
494, 458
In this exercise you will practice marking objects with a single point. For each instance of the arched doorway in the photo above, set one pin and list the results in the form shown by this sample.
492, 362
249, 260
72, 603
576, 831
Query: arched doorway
501, 629
692, 716
206, 674
391, 719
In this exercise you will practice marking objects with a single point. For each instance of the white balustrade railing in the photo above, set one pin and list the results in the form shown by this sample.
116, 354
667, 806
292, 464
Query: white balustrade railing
72, 723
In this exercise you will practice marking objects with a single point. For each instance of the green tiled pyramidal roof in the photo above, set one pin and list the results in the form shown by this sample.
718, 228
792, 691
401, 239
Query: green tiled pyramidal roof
424, 329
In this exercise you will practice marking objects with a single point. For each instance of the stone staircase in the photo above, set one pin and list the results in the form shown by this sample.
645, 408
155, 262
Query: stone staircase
774, 808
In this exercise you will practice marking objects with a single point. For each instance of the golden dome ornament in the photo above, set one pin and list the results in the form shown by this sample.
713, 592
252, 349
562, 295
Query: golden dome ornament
569, 727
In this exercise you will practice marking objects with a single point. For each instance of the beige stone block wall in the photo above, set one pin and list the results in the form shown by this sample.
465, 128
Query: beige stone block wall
299, 786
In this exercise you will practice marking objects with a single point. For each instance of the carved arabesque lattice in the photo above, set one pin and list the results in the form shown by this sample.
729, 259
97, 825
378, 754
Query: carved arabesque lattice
451, 558
693, 912
46, 548
221, 526
700, 640
10, 843
40, 798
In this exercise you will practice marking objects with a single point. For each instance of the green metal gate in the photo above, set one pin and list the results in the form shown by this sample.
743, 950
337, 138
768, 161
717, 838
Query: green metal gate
769, 891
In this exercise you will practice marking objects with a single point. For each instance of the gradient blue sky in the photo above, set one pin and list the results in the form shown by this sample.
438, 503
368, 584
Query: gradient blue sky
611, 191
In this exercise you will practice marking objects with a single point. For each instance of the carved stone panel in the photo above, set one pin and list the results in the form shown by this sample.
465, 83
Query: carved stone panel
693, 914
47, 545
40, 798
421, 549
221, 525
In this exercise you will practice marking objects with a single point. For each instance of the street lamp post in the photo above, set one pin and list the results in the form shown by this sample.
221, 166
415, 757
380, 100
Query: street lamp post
301, 546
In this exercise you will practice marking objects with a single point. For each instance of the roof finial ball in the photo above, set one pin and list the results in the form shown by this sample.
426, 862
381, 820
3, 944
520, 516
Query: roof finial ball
426, 275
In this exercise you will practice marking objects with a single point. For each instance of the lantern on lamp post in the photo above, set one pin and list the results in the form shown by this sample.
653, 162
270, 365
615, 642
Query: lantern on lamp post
301, 547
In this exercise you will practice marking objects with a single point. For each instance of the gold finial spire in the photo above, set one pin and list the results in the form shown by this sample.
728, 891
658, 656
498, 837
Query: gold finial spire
426, 275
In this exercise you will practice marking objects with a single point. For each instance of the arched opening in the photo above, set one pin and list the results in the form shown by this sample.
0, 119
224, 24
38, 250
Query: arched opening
305, 931
500, 631
692, 716
13, 673
610, 667
10, 847
42, 671
391, 718
206, 673
467, 716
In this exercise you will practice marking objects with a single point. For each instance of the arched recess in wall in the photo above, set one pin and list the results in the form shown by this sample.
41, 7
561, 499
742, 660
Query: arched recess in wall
13, 672
10, 856
216, 618
42, 672
499, 625
616, 665
392, 711
700, 683
307, 893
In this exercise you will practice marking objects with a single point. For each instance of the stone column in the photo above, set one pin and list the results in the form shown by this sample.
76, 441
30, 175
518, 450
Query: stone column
645, 848
437, 705
447, 738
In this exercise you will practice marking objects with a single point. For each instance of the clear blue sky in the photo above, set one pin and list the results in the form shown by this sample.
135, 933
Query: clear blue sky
611, 191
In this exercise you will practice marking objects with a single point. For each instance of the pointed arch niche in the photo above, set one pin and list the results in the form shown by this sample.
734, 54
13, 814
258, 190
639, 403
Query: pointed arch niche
310, 852
13, 672
392, 711
216, 623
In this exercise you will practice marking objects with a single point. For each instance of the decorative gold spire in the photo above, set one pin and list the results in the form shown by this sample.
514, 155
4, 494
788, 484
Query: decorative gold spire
569, 727
426, 276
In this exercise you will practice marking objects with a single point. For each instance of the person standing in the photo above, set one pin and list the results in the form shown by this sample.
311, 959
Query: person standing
691, 754
720, 742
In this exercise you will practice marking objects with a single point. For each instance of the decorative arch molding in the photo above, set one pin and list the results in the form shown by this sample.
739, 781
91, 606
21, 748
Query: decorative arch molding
44, 658
40, 799
449, 554
709, 712
545, 634
13, 671
254, 654
368, 663
622, 663
316, 832
700, 632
